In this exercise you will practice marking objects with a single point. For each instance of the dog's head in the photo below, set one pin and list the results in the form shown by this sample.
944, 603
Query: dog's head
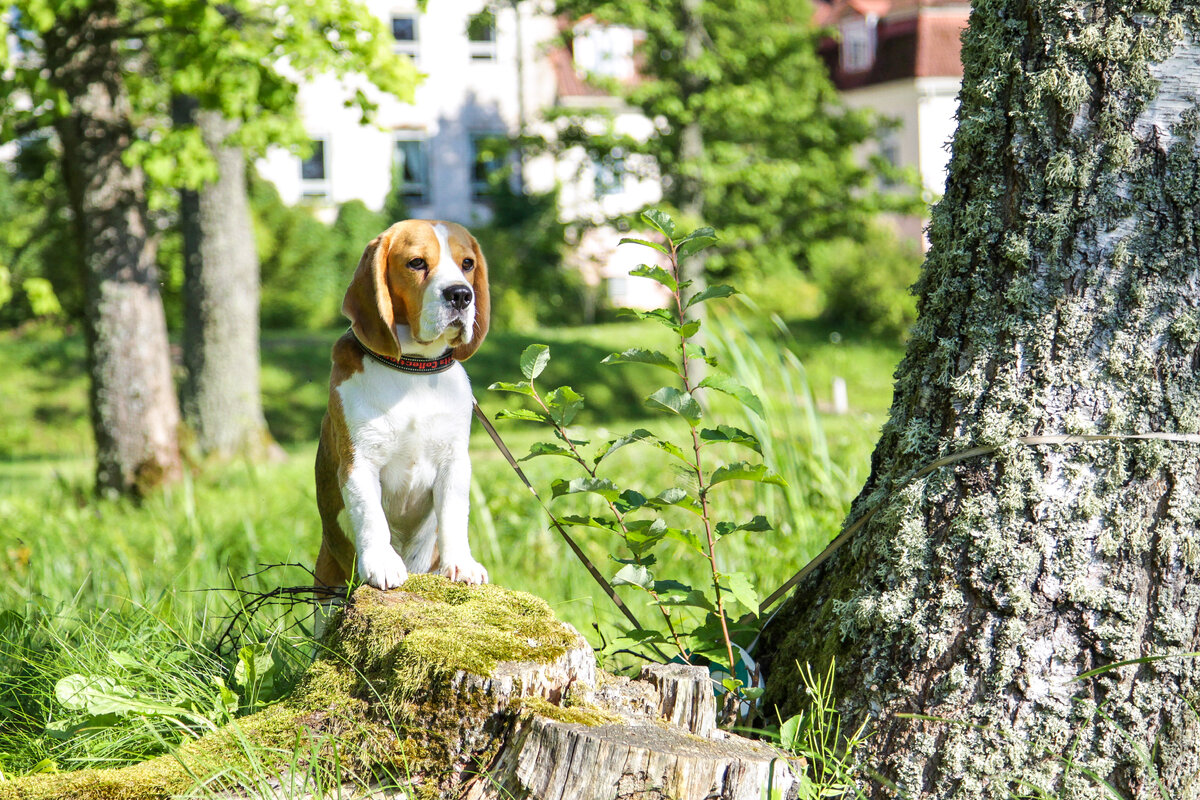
427, 275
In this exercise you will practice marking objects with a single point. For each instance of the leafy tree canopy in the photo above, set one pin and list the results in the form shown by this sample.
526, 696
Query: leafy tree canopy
242, 57
778, 168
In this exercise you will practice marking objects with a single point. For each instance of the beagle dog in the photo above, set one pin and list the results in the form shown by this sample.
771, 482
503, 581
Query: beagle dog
393, 477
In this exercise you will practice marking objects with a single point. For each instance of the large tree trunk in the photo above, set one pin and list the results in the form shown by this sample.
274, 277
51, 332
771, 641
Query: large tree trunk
135, 415
221, 400
1059, 297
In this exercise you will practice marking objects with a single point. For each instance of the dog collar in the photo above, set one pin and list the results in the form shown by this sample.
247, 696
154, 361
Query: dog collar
413, 364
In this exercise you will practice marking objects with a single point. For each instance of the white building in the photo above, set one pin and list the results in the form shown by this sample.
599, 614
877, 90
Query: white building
901, 58
490, 74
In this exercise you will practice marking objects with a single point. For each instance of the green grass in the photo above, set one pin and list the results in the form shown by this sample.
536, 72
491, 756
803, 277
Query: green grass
82, 579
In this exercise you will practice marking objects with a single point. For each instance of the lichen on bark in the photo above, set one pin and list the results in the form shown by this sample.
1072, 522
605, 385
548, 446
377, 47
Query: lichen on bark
1059, 296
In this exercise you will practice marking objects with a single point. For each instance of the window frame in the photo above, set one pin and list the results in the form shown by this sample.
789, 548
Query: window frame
417, 192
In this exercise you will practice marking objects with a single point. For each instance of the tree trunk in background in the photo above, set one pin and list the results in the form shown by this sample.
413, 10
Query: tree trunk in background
135, 415
221, 400
1061, 295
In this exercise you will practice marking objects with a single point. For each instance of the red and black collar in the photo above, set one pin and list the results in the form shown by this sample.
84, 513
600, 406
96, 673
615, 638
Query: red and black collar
411, 364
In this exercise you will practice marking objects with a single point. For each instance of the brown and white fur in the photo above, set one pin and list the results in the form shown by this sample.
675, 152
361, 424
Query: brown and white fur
393, 476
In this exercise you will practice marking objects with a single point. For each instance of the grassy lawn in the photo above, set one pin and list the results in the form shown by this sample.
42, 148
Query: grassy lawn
82, 579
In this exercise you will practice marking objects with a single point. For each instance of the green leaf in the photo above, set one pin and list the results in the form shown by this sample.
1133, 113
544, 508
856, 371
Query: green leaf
644, 534
588, 521
253, 664
677, 402
639, 355
630, 500
698, 352
742, 590
547, 449
534, 360
517, 388
687, 538
673, 450
660, 315
567, 402
745, 471
756, 525
655, 273
660, 222
789, 733
99, 696
729, 386
521, 413
696, 241
691, 599
688, 329
637, 435
711, 293
732, 435
674, 497
601, 486
643, 242
633, 575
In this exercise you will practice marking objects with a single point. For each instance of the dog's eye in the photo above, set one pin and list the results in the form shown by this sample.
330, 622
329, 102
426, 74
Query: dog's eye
417, 263
468, 264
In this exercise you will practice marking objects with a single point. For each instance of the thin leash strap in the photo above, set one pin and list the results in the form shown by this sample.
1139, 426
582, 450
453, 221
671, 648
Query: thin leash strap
600, 579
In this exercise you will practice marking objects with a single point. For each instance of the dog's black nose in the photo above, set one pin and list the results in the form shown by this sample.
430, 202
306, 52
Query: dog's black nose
458, 296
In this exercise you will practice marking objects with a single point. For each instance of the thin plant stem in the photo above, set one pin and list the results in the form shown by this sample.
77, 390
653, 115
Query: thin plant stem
698, 467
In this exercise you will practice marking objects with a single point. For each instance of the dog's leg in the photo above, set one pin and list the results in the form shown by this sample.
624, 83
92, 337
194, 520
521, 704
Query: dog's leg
451, 500
328, 573
378, 562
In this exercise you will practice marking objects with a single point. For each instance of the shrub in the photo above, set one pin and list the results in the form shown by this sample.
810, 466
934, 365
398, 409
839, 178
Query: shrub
866, 284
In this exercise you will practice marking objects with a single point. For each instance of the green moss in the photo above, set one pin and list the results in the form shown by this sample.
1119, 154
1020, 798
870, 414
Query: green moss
387, 663
574, 715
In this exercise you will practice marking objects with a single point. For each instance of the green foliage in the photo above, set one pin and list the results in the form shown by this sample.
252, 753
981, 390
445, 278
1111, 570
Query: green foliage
778, 172
816, 735
696, 621
867, 283
524, 243
306, 264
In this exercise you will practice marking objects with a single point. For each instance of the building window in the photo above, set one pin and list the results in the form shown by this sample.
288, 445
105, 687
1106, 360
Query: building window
858, 44
404, 35
313, 167
604, 50
487, 156
481, 36
608, 172
410, 170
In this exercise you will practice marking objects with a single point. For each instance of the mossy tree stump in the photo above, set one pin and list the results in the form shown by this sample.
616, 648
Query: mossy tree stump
444, 690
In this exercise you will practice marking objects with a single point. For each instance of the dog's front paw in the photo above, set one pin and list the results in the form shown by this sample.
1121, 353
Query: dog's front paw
465, 570
382, 567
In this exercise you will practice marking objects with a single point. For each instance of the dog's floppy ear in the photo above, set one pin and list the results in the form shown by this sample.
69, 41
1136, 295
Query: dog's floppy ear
369, 303
483, 305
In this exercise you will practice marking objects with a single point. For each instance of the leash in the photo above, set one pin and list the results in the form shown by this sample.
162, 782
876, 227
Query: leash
954, 458
591, 568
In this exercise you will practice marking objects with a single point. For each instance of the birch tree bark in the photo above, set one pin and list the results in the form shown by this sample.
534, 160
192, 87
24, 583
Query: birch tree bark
221, 400
135, 416
1061, 295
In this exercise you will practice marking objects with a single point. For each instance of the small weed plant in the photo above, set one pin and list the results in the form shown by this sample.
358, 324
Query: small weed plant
694, 620
816, 735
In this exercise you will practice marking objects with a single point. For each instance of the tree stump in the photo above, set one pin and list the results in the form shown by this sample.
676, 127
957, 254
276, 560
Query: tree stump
444, 690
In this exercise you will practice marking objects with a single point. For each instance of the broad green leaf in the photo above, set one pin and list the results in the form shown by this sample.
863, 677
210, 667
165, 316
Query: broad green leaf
601, 486
672, 449
660, 315
521, 413
564, 403
745, 471
729, 386
610, 447
643, 534
688, 329
547, 449
588, 521
671, 586
99, 695
660, 222
638, 355
711, 293
633, 575
534, 360
789, 733
687, 538
655, 273
696, 241
677, 402
697, 352
732, 435
691, 599
756, 525
674, 497
655, 245
517, 388
253, 663
630, 500
743, 590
